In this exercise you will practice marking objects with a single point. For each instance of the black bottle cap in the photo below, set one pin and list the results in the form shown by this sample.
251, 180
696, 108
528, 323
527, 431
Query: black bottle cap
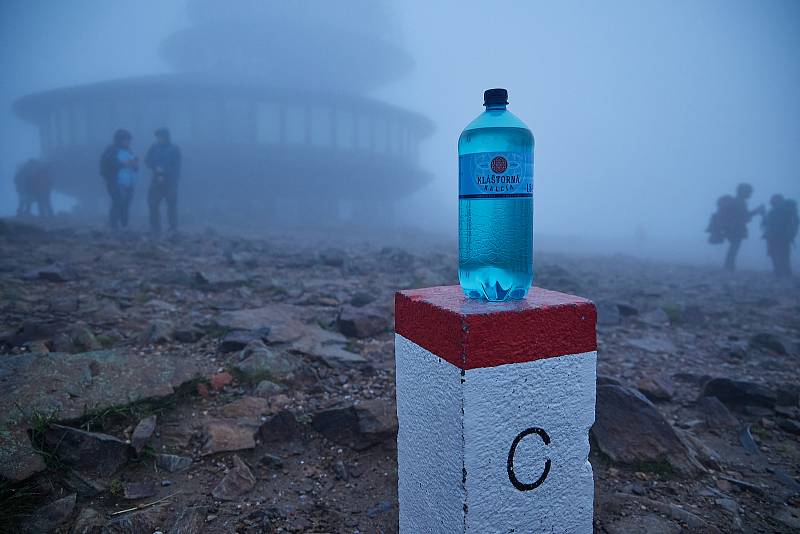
495, 97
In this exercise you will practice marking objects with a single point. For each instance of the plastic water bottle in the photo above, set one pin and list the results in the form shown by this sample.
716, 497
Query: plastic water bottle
495, 203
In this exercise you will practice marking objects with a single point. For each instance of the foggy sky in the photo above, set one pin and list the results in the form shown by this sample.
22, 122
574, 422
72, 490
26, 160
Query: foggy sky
644, 112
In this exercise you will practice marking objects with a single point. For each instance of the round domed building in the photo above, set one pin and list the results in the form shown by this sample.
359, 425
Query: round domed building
267, 102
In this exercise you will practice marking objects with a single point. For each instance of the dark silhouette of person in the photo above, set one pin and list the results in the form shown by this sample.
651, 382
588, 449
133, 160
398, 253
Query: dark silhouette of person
34, 184
118, 167
780, 229
732, 219
164, 161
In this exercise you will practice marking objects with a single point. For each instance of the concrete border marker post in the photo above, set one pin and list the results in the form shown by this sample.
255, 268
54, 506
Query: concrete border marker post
494, 403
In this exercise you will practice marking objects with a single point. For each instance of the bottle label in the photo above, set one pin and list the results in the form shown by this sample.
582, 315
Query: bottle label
495, 175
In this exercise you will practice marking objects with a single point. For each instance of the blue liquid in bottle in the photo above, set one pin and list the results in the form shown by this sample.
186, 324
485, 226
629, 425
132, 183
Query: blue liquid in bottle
495, 206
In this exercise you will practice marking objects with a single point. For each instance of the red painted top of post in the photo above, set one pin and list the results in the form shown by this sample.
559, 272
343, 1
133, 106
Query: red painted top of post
472, 333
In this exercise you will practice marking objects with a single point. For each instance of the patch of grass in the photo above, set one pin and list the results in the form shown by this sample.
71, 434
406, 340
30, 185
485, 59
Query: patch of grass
116, 488
674, 313
148, 453
100, 420
657, 467
17, 503
39, 422
304, 419
106, 341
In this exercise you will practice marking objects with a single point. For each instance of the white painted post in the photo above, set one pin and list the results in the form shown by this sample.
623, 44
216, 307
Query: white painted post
494, 403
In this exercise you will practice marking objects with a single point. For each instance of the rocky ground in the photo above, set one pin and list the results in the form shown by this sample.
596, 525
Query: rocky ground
208, 383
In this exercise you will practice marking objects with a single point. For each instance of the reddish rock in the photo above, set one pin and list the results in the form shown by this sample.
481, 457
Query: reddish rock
246, 408
202, 390
220, 380
656, 388
223, 435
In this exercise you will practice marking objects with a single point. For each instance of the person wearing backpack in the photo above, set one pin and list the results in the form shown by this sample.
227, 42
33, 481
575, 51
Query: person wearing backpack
164, 161
34, 184
118, 167
780, 229
734, 220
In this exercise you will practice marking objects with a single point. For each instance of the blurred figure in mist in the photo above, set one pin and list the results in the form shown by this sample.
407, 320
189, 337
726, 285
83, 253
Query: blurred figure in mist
118, 167
164, 161
34, 185
730, 222
780, 229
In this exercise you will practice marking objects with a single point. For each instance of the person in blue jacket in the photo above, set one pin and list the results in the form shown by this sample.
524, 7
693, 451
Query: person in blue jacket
164, 161
118, 167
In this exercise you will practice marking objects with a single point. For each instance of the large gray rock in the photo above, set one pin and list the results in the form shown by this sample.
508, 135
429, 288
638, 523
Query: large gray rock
282, 321
90, 453
629, 429
67, 385
18, 460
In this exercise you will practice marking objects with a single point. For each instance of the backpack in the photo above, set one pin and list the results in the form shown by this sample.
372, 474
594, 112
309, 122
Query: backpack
108, 163
719, 222
793, 220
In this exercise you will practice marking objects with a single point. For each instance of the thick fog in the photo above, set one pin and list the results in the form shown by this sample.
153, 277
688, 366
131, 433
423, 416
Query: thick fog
644, 112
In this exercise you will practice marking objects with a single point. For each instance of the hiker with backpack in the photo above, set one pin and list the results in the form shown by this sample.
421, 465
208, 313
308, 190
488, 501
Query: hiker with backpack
118, 167
34, 184
780, 229
730, 221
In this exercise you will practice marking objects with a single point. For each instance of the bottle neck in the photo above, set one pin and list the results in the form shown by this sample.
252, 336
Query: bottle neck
495, 107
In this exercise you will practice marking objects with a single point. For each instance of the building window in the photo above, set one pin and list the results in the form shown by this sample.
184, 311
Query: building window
237, 121
207, 126
55, 131
345, 128
65, 126
268, 123
100, 127
295, 125
180, 122
364, 133
321, 126
380, 136
80, 128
